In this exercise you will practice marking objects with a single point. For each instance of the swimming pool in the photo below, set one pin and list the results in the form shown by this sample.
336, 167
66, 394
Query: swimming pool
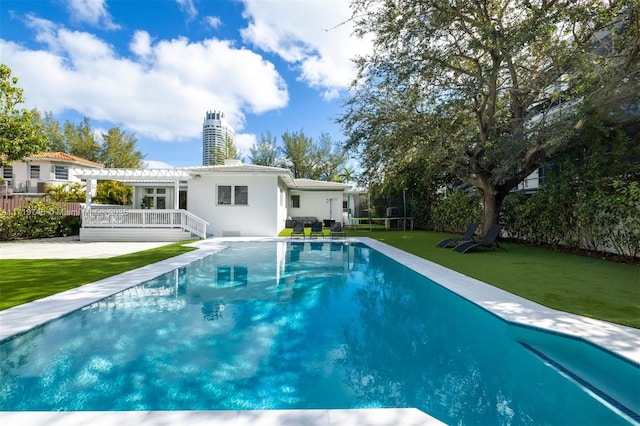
300, 325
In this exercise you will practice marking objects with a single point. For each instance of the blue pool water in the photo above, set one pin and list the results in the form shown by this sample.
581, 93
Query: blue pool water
293, 325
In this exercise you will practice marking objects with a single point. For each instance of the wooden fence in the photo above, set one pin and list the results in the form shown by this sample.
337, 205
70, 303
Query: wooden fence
10, 204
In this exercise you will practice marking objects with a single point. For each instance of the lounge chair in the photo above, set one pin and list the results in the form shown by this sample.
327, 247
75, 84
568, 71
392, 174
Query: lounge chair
488, 241
336, 230
316, 230
466, 237
298, 230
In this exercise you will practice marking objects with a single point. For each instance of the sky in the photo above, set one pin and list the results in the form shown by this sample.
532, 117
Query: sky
153, 68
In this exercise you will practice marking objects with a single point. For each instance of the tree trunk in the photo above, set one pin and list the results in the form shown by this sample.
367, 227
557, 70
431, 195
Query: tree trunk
492, 205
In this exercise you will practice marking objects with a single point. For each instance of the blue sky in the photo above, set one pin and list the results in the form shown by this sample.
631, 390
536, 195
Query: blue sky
154, 67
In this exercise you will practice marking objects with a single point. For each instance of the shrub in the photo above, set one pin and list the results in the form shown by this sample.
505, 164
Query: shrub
37, 219
453, 212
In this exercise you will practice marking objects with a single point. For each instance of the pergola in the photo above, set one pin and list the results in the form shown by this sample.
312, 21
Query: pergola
133, 176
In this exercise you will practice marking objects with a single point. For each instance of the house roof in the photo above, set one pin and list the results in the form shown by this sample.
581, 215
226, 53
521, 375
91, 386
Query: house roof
63, 156
318, 185
237, 168
171, 175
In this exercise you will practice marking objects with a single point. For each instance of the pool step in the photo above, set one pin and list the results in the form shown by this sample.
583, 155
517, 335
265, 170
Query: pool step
615, 385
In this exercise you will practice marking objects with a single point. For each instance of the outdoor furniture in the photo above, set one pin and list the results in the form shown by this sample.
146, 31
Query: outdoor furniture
336, 230
488, 241
328, 222
466, 237
316, 230
306, 220
298, 230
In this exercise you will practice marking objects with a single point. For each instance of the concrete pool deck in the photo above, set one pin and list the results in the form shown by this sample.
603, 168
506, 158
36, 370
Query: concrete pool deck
622, 341
70, 248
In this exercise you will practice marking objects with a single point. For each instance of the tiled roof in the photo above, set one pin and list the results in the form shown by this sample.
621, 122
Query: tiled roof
65, 157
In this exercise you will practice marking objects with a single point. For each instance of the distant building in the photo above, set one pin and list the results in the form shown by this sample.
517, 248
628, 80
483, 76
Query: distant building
29, 177
215, 132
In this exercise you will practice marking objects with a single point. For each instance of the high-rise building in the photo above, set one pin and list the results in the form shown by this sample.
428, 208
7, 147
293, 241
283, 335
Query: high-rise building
215, 133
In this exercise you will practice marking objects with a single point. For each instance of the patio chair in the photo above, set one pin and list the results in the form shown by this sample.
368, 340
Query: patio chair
316, 229
466, 237
298, 230
336, 230
488, 241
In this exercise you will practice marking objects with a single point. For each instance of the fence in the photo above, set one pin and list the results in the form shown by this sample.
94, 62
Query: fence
10, 204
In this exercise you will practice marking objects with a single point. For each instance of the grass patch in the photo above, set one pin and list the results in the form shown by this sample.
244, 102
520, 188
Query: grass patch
25, 280
585, 286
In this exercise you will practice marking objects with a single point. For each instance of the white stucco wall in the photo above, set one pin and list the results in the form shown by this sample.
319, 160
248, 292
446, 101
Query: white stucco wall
316, 203
260, 218
23, 182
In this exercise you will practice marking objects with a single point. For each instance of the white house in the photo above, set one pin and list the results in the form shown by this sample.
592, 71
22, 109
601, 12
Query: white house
233, 199
28, 178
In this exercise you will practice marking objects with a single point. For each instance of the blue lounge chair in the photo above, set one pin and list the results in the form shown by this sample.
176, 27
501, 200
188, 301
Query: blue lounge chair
466, 237
316, 229
298, 230
488, 241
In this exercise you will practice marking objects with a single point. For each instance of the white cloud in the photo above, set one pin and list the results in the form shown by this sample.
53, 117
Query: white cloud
313, 35
187, 7
213, 21
161, 93
141, 44
92, 12
243, 142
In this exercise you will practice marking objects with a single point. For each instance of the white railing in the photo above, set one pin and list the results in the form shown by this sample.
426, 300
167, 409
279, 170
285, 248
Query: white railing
130, 218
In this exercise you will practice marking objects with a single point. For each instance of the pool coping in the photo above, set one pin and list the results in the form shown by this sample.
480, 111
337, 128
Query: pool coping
620, 340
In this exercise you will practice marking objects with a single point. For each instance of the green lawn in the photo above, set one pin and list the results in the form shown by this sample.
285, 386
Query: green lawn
23, 281
585, 286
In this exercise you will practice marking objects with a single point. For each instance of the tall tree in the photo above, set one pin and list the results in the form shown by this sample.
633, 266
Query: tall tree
264, 154
20, 135
119, 150
488, 89
81, 140
52, 130
329, 158
231, 150
298, 151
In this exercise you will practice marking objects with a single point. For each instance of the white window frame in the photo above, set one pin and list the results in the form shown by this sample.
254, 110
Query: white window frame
32, 169
59, 171
232, 195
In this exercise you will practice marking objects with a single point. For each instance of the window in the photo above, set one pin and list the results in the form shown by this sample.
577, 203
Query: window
7, 172
224, 194
61, 172
240, 195
154, 198
34, 172
295, 201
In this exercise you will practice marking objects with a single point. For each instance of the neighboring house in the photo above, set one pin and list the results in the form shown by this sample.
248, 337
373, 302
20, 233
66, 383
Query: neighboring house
233, 199
28, 178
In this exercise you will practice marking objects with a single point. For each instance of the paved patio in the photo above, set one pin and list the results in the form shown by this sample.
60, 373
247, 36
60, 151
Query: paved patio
70, 248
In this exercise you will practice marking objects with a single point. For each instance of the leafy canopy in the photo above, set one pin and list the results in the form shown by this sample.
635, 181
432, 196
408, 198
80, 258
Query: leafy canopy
19, 134
489, 90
